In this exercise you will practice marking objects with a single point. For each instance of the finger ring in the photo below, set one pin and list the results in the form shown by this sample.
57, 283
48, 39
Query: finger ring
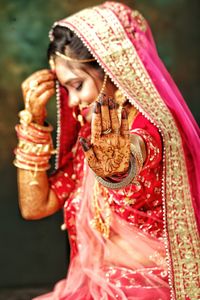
116, 131
33, 84
107, 131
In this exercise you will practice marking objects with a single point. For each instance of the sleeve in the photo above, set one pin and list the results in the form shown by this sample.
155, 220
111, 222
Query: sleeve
62, 182
152, 139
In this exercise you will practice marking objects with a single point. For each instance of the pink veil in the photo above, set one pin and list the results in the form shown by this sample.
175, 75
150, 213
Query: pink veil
86, 277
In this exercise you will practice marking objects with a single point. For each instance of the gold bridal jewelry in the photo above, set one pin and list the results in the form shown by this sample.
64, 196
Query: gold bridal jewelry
79, 117
25, 115
103, 87
35, 145
73, 59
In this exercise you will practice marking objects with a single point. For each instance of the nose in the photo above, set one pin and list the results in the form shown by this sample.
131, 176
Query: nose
73, 100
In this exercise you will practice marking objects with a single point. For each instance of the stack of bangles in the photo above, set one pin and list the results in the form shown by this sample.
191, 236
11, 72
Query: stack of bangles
34, 148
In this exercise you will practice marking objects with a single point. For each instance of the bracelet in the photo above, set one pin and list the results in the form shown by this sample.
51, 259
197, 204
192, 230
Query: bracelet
124, 182
34, 149
138, 158
37, 149
31, 167
34, 134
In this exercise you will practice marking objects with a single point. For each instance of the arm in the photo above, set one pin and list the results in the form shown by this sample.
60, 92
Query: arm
38, 196
36, 201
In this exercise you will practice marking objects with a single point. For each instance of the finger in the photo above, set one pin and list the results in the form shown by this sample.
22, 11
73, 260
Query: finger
124, 124
38, 80
89, 153
42, 88
44, 98
44, 78
38, 73
34, 76
115, 125
85, 144
42, 72
96, 127
105, 115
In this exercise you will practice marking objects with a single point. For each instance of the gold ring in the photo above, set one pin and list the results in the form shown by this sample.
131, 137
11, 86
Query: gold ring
33, 84
107, 131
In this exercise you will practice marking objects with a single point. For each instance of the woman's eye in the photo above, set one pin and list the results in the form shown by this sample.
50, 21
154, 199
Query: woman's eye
78, 87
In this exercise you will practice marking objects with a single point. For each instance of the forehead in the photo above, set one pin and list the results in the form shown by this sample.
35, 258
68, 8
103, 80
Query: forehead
67, 71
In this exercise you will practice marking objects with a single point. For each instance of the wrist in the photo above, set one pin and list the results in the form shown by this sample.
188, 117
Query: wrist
39, 119
123, 182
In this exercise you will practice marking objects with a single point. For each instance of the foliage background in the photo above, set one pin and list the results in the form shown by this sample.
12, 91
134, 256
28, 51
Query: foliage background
36, 253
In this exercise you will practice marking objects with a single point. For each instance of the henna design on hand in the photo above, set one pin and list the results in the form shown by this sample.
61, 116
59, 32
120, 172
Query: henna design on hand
109, 154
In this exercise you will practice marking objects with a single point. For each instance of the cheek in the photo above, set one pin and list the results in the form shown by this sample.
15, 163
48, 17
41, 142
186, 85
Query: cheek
89, 93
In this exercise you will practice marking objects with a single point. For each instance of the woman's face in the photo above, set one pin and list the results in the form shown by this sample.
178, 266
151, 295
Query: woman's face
83, 86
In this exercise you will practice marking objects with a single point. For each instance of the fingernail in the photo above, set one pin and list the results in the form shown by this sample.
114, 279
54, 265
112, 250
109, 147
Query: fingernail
97, 108
101, 96
84, 144
111, 103
103, 100
124, 114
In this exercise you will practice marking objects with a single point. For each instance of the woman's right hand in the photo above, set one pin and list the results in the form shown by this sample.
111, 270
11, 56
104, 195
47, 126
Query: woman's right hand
38, 89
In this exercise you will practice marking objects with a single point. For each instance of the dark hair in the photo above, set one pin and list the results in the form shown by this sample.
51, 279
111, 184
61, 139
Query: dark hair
65, 38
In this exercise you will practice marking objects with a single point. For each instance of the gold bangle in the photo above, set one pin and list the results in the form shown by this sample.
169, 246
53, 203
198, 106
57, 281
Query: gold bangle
27, 159
22, 166
37, 149
138, 157
132, 172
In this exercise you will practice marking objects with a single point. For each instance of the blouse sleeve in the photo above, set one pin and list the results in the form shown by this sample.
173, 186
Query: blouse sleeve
62, 182
152, 139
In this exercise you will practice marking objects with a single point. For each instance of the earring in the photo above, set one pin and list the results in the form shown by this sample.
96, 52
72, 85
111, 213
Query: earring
119, 97
103, 87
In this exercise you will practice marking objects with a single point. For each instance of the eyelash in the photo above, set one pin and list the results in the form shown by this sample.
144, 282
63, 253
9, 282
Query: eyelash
79, 87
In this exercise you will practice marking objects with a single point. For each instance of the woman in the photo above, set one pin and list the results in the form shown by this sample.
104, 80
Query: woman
129, 188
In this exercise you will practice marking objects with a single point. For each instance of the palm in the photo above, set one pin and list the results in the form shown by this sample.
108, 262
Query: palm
113, 154
110, 151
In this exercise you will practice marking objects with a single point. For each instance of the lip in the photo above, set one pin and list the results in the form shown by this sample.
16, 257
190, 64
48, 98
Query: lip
85, 111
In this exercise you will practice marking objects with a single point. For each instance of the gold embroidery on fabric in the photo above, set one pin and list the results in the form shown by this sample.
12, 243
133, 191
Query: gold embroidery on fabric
102, 213
181, 232
140, 20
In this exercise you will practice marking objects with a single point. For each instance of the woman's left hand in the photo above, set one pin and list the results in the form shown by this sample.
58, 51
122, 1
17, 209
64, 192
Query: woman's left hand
109, 151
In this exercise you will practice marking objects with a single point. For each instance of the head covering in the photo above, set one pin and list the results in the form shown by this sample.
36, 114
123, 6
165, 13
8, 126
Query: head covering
121, 41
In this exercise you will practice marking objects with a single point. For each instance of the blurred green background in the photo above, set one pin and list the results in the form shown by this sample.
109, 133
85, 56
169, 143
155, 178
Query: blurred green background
35, 253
